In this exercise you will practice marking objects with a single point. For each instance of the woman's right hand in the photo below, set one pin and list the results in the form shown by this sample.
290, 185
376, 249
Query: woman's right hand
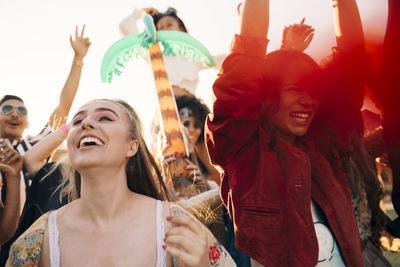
194, 171
169, 157
297, 36
187, 241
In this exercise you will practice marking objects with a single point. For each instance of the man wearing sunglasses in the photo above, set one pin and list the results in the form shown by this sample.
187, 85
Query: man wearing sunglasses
13, 118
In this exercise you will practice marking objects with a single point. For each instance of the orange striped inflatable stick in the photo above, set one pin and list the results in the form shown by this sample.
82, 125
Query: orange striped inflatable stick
147, 43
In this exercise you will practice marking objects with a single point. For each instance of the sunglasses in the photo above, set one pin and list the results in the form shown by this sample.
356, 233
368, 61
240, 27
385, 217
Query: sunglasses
196, 125
8, 109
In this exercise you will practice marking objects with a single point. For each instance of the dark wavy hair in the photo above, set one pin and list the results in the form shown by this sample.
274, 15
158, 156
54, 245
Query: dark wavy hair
360, 170
276, 65
170, 12
143, 175
198, 109
355, 160
343, 76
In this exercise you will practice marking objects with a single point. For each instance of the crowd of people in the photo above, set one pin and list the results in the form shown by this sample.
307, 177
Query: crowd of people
281, 161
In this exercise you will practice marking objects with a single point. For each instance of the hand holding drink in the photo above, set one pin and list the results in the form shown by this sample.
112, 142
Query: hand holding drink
10, 160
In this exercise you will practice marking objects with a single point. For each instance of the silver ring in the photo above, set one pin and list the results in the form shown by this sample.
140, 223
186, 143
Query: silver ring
1, 149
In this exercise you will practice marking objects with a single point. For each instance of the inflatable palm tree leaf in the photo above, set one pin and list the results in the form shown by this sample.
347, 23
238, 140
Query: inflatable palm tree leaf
180, 44
174, 43
121, 52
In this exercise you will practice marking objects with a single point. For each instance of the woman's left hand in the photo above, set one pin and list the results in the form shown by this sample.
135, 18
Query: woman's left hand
194, 171
10, 160
187, 241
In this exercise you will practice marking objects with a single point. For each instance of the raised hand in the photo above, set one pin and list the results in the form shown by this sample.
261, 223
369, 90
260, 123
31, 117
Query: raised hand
10, 160
297, 36
187, 241
81, 44
151, 11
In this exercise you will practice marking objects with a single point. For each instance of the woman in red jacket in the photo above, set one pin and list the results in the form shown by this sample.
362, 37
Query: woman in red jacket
278, 125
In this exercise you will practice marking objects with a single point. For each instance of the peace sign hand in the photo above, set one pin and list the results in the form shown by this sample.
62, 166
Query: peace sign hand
81, 44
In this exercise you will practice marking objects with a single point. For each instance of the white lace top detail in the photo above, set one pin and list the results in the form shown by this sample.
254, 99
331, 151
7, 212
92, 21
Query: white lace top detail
55, 250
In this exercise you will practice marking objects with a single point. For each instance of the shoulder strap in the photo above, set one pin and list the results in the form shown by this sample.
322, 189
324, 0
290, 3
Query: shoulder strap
161, 254
53, 240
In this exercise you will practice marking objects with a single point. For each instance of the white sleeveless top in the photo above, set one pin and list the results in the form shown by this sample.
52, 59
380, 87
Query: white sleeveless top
55, 250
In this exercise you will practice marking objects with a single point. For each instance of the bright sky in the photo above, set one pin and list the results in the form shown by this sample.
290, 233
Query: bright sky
35, 54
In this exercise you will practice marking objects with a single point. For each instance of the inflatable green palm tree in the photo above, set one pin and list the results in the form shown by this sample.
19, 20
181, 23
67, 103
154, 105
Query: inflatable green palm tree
146, 45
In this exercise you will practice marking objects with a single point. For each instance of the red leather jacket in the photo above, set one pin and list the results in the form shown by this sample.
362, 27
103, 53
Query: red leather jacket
268, 191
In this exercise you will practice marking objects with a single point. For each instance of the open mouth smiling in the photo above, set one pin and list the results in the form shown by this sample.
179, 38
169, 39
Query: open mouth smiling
89, 141
301, 116
14, 123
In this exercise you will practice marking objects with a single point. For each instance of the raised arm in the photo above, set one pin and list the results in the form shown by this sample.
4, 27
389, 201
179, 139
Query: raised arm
238, 90
348, 26
129, 25
254, 18
36, 157
347, 70
80, 45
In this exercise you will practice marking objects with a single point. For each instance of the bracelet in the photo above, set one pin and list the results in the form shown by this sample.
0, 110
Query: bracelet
64, 128
78, 63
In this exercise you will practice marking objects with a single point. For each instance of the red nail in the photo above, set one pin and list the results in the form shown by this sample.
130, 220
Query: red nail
165, 239
168, 218
164, 246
